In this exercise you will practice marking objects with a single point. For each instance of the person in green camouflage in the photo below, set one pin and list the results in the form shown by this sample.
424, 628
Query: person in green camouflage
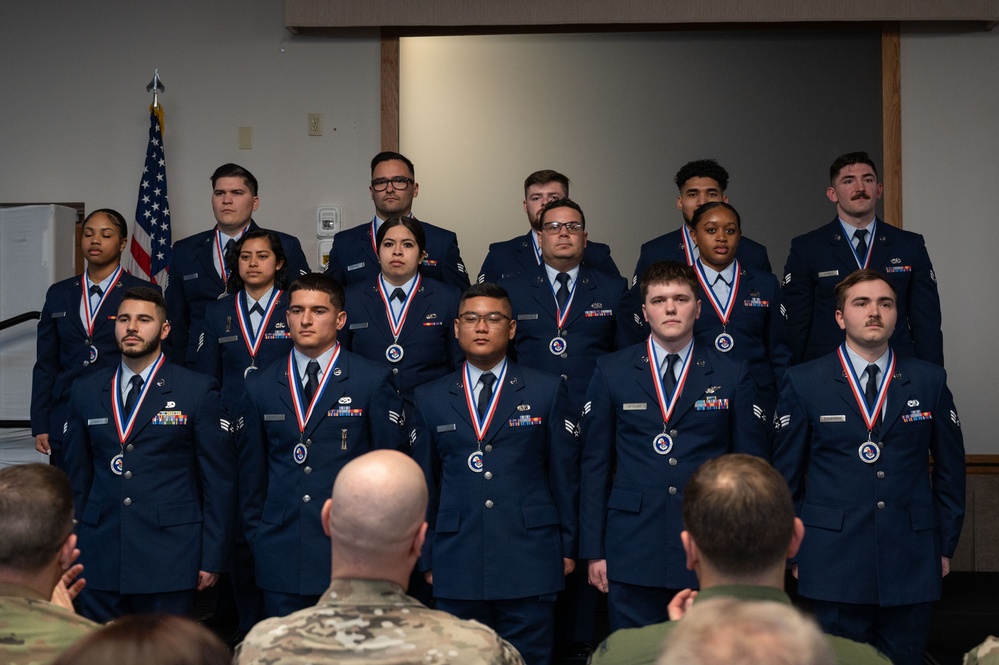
986, 653
37, 570
376, 524
740, 529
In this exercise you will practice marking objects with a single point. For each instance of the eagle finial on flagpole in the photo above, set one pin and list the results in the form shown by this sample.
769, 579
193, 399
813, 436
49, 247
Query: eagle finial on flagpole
156, 86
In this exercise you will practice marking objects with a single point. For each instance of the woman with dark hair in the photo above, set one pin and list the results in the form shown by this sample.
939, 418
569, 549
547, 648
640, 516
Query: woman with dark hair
76, 328
402, 318
148, 639
246, 329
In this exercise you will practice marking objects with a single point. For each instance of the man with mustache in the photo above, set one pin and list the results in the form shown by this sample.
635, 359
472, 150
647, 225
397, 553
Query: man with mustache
153, 472
853, 432
858, 239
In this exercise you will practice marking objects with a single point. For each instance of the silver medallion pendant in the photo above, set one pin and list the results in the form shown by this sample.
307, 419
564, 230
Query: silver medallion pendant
558, 345
394, 353
724, 342
662, 443
475, 462
869, 452
117, 462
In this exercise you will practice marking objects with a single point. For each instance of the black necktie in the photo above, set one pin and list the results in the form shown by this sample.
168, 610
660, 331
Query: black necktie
399, 295
226, 253
96, 290
486, 394
861, 236
871, 390
133, 393
669, 378
562, 296
312, 371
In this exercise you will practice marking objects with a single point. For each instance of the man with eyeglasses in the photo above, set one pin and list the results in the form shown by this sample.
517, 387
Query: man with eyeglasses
568, 316
497, 443
354, 257
523, 253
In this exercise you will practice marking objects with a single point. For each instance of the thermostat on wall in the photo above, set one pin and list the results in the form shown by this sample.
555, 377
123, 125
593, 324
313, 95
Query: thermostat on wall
328, 221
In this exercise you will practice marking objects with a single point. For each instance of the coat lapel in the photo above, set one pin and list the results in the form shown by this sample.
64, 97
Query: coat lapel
510, 397
156, 396
417, 310
583, 297
207, 265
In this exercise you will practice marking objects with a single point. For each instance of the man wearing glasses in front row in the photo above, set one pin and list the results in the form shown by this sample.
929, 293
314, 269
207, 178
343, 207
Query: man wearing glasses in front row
497, 443
354, 257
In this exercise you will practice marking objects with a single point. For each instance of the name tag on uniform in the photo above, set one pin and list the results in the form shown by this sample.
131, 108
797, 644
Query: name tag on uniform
832, 419
527, 317
97, 421
829, 273
58, 315
446, 428
188, 278
268, 417
230, 338
358, 326
635, 406
355, 266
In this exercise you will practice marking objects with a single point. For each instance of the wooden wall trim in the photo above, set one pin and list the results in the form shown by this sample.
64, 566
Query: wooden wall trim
982, 465
891, 123
390, 90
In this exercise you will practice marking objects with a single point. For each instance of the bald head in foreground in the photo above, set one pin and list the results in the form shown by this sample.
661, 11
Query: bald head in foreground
739, 530
727, 631
376, 524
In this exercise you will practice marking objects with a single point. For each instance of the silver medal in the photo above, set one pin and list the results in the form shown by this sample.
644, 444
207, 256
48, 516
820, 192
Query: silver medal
558, 345
724, 342
869, 452
116, 464
475, 462
394, 353
663, 443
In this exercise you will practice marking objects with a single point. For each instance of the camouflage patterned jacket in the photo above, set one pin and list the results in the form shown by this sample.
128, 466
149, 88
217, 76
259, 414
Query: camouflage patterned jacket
33, 630
372, 621
986, 653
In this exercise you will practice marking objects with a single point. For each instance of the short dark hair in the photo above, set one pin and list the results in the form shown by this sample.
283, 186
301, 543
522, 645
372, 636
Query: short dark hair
856, 277
664, 272
739, 511
116, 218
388, 156
231, 170
148, 639
709, 206
411, 223
702, 168
849, 159
317, 281
235, 282
36, 515
484, 290
146, 294
561, 203
545, 176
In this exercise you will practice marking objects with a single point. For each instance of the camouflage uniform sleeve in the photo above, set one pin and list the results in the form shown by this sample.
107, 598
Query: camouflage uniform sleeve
986, 653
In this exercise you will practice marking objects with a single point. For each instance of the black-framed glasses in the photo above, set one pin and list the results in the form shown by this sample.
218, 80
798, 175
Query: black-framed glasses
492, 319
553, 228
398, 182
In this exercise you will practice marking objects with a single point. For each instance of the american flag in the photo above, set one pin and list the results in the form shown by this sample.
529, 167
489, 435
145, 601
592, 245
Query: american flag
149, 253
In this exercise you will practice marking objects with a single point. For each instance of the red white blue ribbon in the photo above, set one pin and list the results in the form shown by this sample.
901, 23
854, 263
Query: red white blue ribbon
871, 415
870, 246
562, 315
223, 269
397, 322
125, 422
724, 312
253, 341
481, 425
90, 313
301, 413
667, 402
688, 244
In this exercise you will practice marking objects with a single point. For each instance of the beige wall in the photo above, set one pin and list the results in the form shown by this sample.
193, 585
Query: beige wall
74, 110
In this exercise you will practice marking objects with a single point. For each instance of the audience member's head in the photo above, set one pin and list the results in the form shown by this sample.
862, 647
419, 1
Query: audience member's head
739, 521
727, 631
376, 517
149, 639
36, 526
